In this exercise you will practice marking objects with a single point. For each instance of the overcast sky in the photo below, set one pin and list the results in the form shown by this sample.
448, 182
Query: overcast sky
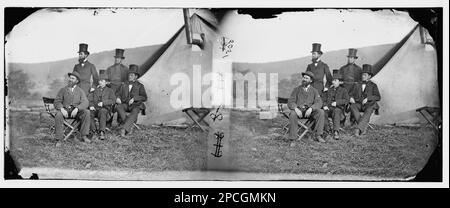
291, 34
49, 35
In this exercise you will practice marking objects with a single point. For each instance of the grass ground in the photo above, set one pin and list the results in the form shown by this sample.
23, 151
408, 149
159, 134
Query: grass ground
256, 146
259, 146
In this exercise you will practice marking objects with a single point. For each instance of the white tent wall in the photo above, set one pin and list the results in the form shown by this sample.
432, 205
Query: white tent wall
180, 57
408, 81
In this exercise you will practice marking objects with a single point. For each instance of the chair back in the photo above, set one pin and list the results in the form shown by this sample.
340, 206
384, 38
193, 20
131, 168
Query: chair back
47, 103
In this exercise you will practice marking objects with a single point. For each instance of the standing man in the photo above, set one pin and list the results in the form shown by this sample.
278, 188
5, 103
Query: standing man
117, 73
100, 104
86, 70
364, 98
351, 73
71, 102
305, 102
319, 69
131, 96
335, 102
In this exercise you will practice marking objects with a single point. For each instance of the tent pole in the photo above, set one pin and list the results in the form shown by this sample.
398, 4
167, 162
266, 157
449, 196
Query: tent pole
187, 25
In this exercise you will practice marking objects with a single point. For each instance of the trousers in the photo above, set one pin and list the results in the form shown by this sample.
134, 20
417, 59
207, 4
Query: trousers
102, 114
131, 118
363, 121
83, 116
317, 115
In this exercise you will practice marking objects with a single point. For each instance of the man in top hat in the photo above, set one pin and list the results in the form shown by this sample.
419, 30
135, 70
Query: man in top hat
117, 73
319, 69
305, 102
131, 96
100, 104
351, 73
364, 97
86, 70
335, 101
71, 102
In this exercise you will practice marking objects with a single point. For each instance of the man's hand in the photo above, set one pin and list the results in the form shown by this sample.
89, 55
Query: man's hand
352, 100
325, 89
91, 108
74, 112
326, 108
131, 101
364, 101
92, 89
308, 112
298, 112
64, 112
118, 101
333, 104
100, 104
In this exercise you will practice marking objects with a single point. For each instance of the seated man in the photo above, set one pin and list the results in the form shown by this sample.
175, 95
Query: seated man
334, 103
100, 104
364, 97
131, 96
305, 102
71, 102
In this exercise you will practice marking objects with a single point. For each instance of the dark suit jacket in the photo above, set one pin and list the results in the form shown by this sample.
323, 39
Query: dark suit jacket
338, 95
105, 95
351, 73
117, 74
300, 97
320, 71
86, 72
137, 92
371, 92
66, 98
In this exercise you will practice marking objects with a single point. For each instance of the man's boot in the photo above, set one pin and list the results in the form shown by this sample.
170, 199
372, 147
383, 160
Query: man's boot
102, 135
336, 135
320, 139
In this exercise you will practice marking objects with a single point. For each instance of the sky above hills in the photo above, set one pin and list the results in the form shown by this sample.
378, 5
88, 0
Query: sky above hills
51, 35
291, 34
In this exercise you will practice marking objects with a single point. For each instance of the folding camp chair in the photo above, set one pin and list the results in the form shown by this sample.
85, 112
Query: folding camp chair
432, 115
70, 124
304, 123
201, 113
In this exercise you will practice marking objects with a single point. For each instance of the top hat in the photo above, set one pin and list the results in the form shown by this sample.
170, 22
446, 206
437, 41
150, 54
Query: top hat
83, 48
76, 74
119, 53
336, 74
316, 47
103, 75
134, 69
352, 52
367, 68
308, 73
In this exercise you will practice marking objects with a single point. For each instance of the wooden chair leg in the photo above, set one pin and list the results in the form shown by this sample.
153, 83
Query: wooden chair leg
135, 125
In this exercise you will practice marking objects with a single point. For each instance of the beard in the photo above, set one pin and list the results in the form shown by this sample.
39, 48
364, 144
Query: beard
305, 83
71, 84
81, 60
314, 60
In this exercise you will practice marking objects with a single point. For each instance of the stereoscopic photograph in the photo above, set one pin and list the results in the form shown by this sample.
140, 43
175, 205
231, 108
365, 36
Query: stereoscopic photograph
254, 94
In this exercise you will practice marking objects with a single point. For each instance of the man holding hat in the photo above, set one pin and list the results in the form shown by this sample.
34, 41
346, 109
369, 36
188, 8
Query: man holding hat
117, 73
86, 70
335, 101
364, 98
100, 104
71, 102
305, 102
351, 73
131, 96
319, 69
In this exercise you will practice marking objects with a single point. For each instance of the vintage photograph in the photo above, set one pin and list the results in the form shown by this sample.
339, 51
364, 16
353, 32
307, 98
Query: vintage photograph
250, 94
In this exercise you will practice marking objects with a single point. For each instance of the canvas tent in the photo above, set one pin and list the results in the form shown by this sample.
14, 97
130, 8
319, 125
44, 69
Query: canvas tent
178, 58
408, 80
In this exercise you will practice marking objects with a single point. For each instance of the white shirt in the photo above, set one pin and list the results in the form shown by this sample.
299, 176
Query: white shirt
363, 87
306, 88
129, 87
71, 89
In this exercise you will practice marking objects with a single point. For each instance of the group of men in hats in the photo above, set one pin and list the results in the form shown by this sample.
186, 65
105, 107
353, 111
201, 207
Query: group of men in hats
115, 89
322, 95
